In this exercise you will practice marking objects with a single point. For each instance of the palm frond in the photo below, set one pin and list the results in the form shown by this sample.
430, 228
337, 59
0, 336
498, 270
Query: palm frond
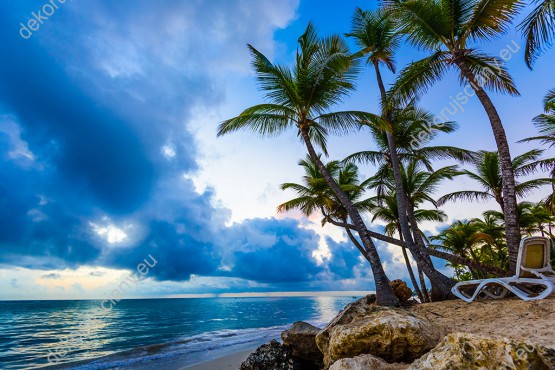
418, 77
424, 22
342, 123
528, 187
367, 156
538, 29
263, 119
277, 81
490, 72
491, 18
468, 195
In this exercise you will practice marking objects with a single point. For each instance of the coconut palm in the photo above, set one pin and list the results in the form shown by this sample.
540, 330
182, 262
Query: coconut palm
409, 122
375, 33
545, 123
385, 208
486, 171
492, 225
445, 29
536, 218
419, 186
301, 98
538, 29
462, 238
315, 195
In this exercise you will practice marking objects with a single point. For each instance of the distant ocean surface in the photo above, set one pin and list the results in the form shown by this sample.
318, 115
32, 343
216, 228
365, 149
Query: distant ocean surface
192, 330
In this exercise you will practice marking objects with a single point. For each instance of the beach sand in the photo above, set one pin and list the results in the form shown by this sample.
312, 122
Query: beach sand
230, 362
509, 317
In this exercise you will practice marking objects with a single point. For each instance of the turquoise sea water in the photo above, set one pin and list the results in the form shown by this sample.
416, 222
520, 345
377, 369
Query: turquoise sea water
35, 334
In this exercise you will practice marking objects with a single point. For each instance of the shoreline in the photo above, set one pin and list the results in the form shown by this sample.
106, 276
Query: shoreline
227, 362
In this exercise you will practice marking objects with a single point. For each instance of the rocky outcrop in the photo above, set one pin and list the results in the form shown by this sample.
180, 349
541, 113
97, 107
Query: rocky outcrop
301, 338
362, 327
365, 362
271, 356
461, 351
401, 290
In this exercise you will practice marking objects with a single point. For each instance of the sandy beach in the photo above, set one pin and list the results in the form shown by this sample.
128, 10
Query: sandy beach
230, 362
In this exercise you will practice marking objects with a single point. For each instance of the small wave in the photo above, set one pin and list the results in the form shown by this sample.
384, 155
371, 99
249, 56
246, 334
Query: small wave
186, 347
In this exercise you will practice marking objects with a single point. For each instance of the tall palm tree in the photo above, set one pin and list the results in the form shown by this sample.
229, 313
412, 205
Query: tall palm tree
419, 185
545, 123
375, 33
538, 29
445, 28
301, 98
385, 208
486, 171
315, 195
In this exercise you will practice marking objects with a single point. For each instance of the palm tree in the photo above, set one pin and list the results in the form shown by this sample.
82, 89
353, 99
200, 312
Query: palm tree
445, 29
301, 98
461, 238
486, 171
316, 196
538, 28
419, 186
492, 226
536, 218
375, 33
385, 208
545, 123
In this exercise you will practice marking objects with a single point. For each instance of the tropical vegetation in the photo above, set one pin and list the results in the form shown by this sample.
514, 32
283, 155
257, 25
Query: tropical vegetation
405, 182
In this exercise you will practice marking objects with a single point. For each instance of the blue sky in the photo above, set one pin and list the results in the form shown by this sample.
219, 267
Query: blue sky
108, 153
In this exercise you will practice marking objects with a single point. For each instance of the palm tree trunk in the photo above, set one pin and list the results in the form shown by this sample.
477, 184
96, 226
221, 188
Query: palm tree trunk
411, 272
512, 229
458, 260
423, 285
360, 248
384, 292
443, 283
437, 294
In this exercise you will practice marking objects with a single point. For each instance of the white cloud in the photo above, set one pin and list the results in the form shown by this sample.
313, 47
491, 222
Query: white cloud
110, 232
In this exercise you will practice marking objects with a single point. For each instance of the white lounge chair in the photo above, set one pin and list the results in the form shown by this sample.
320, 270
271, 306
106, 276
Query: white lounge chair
534, 279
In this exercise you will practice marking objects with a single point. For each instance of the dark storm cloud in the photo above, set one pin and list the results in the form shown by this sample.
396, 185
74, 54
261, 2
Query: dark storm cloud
94, 95
268, 250
94, 151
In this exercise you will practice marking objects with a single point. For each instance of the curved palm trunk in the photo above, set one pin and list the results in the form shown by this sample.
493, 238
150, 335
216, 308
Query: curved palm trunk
432, 252
411, 272
442, 283
384, 292
512, 229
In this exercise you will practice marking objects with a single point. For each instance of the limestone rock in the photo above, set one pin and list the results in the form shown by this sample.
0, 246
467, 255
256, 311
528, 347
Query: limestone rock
462, 351
401, 290
301, 338
271, 356
364, 328
365, 362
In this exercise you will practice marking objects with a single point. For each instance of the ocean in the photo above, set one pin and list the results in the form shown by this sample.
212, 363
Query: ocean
147, 333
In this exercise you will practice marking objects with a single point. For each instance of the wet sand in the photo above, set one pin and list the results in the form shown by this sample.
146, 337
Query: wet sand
230, 362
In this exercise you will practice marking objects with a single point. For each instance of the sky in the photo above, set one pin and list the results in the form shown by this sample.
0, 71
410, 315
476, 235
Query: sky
110, 164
